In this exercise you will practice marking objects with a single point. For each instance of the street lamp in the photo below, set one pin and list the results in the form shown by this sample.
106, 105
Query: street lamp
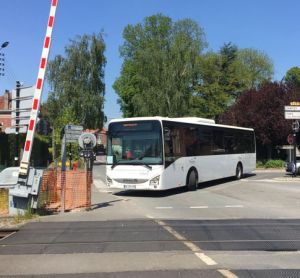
3, 45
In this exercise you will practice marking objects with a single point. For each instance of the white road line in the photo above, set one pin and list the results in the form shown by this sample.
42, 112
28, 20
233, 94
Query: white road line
199, 207
193, 247
205, 259
163, 207
234, 206
227, 273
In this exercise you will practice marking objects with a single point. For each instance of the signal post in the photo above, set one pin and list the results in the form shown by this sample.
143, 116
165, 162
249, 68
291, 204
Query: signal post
292, 112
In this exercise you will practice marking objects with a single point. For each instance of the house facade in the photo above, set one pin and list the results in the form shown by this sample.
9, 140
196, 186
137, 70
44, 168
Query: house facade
5, 111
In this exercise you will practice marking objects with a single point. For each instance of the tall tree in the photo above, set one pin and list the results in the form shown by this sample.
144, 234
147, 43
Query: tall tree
159, 71
254, 68
209, 98
292, 77
263, 110
77, 83
225, 75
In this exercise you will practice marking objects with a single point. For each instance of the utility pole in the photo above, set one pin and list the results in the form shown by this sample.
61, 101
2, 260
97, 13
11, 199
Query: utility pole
17, 122
295, 127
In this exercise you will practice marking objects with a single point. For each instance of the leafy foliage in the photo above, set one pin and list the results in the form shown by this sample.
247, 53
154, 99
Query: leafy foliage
40, 152
225, 75
77, 84
292, 77
275, 164
263, 110
166, 73
160, 66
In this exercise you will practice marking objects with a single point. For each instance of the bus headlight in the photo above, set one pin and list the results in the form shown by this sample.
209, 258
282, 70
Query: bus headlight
108, 181
154, 182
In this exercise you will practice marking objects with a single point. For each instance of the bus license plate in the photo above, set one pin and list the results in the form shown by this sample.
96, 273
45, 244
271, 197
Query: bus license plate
129, 186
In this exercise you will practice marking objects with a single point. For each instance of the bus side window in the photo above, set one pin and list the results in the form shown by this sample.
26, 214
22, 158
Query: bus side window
168, 141
191, 142
204, 141
218, 142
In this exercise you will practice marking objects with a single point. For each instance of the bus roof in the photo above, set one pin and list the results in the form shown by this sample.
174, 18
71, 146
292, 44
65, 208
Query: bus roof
188, 120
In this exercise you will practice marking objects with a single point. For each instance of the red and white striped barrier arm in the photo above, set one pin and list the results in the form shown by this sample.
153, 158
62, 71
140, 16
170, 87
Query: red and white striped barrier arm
24, 165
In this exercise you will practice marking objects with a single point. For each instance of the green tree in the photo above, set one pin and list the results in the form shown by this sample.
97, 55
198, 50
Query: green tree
160, 70
253, 68
225, 75
292, 77
263, 110
77, 84
209, 98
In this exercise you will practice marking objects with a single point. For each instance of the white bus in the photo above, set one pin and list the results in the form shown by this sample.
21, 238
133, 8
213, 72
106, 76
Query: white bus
157, 153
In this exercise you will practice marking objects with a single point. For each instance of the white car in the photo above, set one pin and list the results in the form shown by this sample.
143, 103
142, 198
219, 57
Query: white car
290, 167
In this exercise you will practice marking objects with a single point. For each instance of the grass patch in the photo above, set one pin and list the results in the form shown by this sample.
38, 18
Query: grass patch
27, 215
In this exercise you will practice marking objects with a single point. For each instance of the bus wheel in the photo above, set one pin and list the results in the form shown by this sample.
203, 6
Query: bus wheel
239, 171
192, 181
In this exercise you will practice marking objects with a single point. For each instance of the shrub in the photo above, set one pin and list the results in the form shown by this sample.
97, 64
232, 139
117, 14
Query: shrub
260, 164
275, 164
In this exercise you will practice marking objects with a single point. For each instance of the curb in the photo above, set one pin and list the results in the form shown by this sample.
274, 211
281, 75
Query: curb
281, 170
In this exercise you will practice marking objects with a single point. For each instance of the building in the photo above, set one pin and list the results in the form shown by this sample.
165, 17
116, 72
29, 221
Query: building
5, 111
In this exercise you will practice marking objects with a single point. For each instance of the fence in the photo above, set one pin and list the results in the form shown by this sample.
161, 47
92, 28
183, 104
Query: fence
59, 191
65, 190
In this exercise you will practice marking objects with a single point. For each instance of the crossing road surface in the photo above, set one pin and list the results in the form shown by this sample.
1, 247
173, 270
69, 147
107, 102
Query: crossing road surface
248, 228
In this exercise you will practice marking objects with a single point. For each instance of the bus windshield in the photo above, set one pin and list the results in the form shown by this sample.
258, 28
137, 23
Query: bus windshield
134, 143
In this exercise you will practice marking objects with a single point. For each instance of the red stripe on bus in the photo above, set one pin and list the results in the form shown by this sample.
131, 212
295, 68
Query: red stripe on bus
35, 104
39, 83
27, 146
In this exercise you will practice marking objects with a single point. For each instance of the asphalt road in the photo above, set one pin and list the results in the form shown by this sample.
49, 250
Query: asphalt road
247, 228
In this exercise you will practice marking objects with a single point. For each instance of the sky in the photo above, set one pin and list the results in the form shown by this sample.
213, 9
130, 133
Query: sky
271, 26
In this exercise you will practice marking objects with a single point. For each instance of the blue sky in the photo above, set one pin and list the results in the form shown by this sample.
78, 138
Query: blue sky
269, 26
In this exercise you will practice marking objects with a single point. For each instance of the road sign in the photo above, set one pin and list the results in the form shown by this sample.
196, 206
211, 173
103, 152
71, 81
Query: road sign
292, 112
87, 140
20, 113
72, 133
290, 139
73, 127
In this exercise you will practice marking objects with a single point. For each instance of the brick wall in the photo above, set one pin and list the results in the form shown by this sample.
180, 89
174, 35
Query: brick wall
5, 106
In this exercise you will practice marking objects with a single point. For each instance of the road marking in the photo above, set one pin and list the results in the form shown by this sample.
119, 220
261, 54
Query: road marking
163, 207
199, 207
227, 273
234, 206
193, 247
207, 260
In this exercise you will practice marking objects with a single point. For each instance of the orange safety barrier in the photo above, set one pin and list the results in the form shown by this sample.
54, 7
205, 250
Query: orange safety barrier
65, 191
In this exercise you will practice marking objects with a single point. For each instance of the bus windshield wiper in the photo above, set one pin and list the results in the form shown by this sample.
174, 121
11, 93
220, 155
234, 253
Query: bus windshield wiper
142, 164
134, 163
115, 164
